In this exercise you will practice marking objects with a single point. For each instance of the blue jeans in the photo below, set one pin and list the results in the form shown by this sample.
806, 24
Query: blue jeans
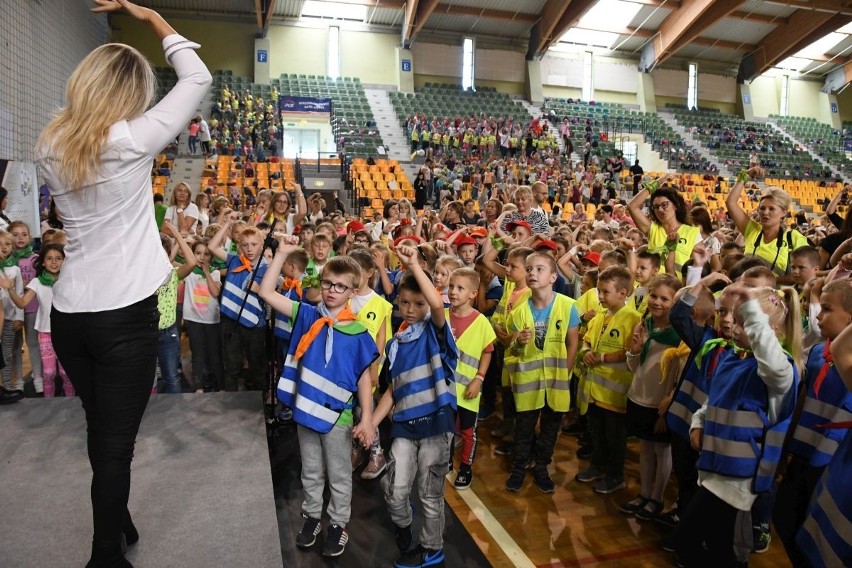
168, 355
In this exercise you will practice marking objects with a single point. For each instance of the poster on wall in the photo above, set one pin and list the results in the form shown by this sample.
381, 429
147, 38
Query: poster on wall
21, 181
303, 105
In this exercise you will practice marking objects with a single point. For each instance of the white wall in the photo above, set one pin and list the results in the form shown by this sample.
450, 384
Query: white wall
43, 42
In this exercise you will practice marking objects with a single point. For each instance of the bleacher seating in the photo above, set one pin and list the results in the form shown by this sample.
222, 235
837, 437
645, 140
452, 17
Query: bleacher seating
731, 139
442, 100
820, 138
377, 183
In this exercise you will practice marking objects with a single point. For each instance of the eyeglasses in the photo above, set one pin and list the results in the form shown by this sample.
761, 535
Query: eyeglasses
336, 287
661, 206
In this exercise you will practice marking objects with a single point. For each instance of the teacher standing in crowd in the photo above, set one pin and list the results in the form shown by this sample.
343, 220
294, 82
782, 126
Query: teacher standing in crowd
96, 154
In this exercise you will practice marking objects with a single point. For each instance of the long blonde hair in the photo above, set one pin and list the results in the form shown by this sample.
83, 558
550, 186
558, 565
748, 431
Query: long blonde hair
114, 82
782, 308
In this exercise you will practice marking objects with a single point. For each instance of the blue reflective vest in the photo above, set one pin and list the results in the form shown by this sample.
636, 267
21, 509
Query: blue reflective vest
692, 392
833, 404
825, 535
423, 375
739, 439
283, 325
234, 287
319, 392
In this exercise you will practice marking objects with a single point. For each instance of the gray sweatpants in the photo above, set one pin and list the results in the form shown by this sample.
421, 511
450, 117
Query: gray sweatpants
327, 455
426, 463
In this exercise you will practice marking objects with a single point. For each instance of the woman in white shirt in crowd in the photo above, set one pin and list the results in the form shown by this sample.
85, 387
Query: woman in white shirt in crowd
182, 212
96, 156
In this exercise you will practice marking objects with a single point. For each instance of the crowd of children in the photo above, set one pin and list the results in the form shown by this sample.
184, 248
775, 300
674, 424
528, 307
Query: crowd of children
721, 366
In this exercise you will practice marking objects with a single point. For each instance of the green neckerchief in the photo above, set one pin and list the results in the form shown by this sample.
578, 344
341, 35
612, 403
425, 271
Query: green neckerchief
217, 264
711, 345
197, 270
666, 336
663, 251
27, 251
47, 279
8, 261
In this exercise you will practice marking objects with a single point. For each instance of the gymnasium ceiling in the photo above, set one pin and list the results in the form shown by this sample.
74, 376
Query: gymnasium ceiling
811, 38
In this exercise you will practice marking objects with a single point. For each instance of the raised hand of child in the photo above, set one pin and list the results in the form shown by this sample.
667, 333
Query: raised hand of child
637, 340
714, 278
700, 255
407, 255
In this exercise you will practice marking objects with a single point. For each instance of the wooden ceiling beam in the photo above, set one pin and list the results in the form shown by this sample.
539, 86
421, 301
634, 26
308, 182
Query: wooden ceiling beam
569, 19
424, 10
408, 22
803, 27
270, 9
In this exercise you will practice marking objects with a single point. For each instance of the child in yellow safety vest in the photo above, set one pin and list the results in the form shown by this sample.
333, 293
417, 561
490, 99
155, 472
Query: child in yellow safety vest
514, 291
544, 341
475, 342
603, 390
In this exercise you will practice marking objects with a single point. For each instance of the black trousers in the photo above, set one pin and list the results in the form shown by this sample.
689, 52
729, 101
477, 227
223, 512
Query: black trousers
685, 465
110, 358
791, 505
609, 440
705, 536
526, 442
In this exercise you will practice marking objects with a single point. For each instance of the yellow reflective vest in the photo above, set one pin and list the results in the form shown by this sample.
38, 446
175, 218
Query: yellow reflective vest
689, 236
540, 376
500, 318
607, 384
471, 344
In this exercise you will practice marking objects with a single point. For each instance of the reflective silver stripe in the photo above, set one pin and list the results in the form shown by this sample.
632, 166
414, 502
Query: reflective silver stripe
322, 384
825, 410
840, 522
538, 364
532, 386
291, 362
826, 552
728, 447
607, 383
678, 409
767, 466
283, 324
558, 384
813, 438
468, 360
688, 388
317, 410
286, 385
736, 418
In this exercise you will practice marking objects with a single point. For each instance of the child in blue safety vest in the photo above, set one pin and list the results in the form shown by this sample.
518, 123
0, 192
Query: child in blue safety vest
826, 401
824, 537
421, 399
244, 315
740, 430
328, 361
545, 339
693, 316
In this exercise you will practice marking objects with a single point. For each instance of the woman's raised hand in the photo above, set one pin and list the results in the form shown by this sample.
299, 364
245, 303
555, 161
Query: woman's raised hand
105, 6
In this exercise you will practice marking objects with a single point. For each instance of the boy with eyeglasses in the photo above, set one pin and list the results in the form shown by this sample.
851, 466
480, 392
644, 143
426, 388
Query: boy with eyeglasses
319, 387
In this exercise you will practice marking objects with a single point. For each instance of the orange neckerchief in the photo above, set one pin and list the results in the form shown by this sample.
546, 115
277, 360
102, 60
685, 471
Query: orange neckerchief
245, 264
290, 284
346, 314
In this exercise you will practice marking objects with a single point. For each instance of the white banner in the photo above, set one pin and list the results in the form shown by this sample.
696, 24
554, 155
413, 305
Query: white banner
21, 181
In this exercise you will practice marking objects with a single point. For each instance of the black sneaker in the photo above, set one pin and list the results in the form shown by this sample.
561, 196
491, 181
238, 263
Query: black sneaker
670, 518
668, 544
761, 539
585, 452
403, 538
420, 557
516, 480
609, 485
504, 449
543, 480
631, 507
307, 537
463, 479
650, 511
335, 540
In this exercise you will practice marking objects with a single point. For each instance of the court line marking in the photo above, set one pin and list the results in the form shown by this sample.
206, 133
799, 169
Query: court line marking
510, 548
620, 555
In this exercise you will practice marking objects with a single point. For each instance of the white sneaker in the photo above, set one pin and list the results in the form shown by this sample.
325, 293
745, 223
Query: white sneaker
38, 384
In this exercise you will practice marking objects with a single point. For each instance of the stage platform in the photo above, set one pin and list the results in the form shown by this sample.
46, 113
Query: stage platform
201, 494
